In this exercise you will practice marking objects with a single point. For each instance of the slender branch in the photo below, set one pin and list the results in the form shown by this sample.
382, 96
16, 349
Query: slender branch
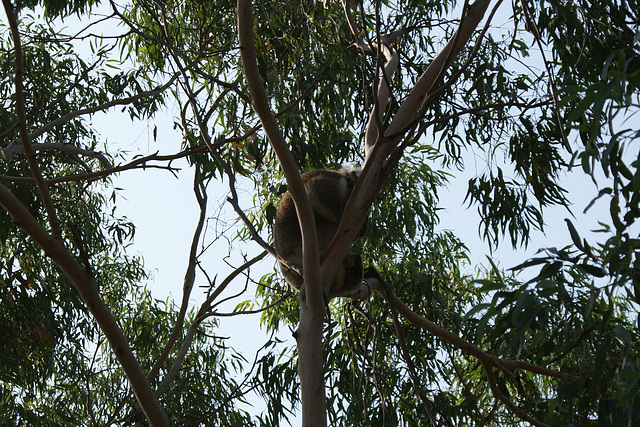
206, 138
12, 150
486, 365
200, 316
410, 366
54, 222
256, 311
552, 83
189, 277
140, 162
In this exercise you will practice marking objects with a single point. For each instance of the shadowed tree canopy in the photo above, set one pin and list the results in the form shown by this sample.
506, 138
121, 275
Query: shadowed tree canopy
524, 110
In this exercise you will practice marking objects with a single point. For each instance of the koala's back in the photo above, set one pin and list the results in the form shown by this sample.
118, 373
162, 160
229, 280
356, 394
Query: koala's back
328, 192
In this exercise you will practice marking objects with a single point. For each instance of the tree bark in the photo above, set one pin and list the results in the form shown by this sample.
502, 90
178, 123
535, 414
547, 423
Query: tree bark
309, 334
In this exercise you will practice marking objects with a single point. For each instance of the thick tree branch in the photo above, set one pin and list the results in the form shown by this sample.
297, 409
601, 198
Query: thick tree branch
309, 335
417, 95
260, 104
411, 105
88, 290
378, 147
295, 186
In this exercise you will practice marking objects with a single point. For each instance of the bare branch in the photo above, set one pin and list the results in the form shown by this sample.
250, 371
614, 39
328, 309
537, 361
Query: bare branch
202, 315
189, 277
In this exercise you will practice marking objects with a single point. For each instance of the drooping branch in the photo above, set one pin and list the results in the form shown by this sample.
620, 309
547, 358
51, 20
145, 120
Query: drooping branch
488, 361
11, 150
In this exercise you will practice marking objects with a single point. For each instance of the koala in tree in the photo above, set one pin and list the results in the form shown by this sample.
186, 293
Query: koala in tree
328, 192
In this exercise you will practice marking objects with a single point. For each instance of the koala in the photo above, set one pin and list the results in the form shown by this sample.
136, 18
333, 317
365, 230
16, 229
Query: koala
328, 192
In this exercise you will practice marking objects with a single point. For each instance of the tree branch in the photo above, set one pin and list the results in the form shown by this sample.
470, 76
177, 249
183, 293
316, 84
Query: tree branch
415, 99
488, 361
189, 277
88, 290
54, 222
378, 147
12, 149
309, 336
200, 316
